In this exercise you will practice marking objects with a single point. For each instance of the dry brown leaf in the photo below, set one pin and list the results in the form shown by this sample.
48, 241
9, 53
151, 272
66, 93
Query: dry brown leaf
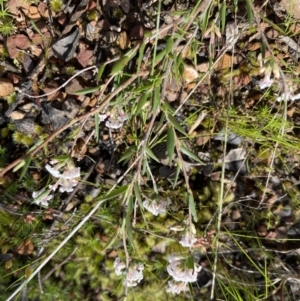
6, 87
14, 6
85, 56
189, 74
225, 62
17, 115
26, 247
33, 13
123, 40
204, 67
253, 46
292, 7
8, 264
203, 138
17, 41
43, 10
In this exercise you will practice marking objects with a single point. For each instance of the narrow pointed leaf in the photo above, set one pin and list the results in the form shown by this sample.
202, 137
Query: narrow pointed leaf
25, 167
169, 45
150, 153
141, 55
156, 100
87, 91
97, 127
115, 193
100, 72
178, 170
160, 56
185, 151
192, 206
170, 144
249, 12
119, 65
141, 103
127, 154
176, 124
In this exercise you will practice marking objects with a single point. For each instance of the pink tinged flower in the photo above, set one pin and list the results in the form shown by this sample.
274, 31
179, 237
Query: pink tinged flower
188, 239
113, 123
156, 207
102, 117
66, 185
54, 172
265, 82
288, 96
134, 275
177, 287
42, 197
67, 179
179, 271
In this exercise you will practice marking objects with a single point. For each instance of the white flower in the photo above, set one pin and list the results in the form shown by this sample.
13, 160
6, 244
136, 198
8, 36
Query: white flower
265, 82
113, 123
67, 179
42, 197
102, 117
288, 96
177, 287
157, 207
188, 239
178, 270
134, 274
65, 185
119, 266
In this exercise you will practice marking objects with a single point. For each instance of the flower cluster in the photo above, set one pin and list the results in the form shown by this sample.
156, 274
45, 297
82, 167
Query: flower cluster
134, 274
67, 180
181, 273
269, 67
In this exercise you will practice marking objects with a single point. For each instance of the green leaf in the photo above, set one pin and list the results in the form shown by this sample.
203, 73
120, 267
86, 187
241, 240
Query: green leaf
25, 167
100, 72
119, 65
156, 99
128, 223
114, 193
192, 206
137, 194
249, 12
18, 166
178, 170
150, 153
170, 144
223, 16
146, 87
169, 45
176, 125
160, 55
127, 154
86, 91
190, 264
185, 151
141, 55
97, 127
141, 103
